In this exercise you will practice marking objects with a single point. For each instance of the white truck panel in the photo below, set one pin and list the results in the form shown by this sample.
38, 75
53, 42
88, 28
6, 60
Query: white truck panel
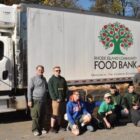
61, 42
7, 15
71, 40
132, 53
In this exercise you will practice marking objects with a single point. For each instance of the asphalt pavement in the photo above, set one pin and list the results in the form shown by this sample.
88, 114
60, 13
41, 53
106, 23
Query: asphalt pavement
13, 127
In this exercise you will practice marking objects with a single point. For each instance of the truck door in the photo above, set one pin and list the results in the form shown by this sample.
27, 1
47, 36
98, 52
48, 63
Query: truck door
6, 61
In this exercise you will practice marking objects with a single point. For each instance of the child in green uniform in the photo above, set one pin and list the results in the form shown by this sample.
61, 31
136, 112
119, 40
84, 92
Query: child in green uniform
106, 112
132, 104
118, 100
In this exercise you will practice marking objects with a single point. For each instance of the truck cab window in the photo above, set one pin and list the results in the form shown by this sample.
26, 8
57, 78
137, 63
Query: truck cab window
1, 50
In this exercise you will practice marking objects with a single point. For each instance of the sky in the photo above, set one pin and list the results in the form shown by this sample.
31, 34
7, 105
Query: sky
86, 4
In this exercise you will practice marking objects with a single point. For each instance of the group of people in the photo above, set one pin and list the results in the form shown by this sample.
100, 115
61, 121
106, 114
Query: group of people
78, 113
38, 93
114, 107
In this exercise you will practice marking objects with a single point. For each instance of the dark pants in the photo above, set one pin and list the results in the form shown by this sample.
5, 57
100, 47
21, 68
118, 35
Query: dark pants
135, 116
112, 119
38, 115
118, 112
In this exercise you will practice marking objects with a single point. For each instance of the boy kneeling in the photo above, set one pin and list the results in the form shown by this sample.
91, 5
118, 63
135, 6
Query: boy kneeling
77, 114
106, 112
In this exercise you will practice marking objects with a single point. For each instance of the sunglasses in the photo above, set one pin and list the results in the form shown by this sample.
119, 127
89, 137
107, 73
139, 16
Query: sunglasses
108, 97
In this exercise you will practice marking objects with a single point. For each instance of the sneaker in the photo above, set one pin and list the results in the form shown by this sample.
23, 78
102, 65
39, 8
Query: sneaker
36, 133
138, 124
44, 132
90, 128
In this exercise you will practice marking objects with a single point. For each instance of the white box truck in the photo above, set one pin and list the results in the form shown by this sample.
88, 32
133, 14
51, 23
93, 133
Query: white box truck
90, 48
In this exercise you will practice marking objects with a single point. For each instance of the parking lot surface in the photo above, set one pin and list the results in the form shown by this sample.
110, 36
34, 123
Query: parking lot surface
20, 129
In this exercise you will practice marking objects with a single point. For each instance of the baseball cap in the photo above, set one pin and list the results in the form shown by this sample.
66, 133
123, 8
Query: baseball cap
107, 95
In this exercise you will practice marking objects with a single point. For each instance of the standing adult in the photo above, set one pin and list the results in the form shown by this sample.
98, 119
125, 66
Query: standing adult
136, 80
37, 96
57, 89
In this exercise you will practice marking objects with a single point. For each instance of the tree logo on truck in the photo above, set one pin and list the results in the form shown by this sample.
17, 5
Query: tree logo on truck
116, 36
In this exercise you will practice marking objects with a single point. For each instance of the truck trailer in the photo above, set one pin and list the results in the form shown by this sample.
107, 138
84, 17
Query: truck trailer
91, 48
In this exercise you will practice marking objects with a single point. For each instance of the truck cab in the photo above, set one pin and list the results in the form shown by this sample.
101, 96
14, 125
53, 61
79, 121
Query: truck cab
10, 60
6, 63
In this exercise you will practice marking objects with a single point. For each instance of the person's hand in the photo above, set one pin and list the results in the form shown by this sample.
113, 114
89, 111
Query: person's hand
75, 130
108, 125
30, 104
74, 126
58, 100
106, 113
135, 107
126, 110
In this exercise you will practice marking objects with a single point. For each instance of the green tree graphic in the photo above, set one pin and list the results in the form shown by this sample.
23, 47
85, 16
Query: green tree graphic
116, 35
